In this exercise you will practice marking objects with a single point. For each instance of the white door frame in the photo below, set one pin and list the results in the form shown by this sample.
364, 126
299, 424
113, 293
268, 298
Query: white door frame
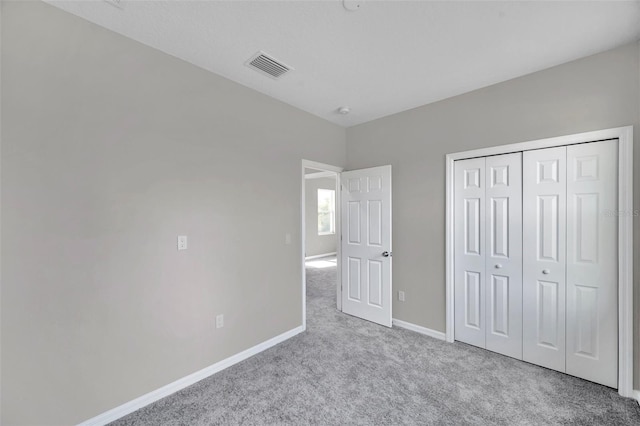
326, 168
625, 233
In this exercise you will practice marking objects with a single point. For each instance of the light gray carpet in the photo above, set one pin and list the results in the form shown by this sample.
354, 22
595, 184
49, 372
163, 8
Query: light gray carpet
347, 371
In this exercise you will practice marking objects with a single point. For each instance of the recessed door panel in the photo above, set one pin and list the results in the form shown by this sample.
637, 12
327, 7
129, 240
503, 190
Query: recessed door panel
374, 211
353, 220
354, 184
592, 262
375, 183
472, 177
499, 305
544, 256
472, 226
499, 176
547, 227
354, 283
472, 300
499, 231
586, 321
548, 170
375, 283
548, 314
586, 167
585, 214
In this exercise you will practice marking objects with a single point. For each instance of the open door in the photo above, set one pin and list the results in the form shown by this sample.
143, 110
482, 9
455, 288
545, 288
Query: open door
366, 244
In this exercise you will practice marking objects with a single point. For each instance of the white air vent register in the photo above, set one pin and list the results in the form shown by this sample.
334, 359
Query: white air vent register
268, 65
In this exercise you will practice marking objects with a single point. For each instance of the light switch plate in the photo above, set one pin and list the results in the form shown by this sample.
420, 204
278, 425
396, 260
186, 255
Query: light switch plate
182, 242
220, 321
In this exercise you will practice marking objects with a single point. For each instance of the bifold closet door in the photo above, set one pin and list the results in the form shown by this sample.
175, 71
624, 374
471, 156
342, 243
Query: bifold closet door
469, 240
536, 257
504, 254
592, 262
488, 247
544, 256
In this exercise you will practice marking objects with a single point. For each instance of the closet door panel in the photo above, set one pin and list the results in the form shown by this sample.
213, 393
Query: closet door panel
544, 257
504, 254
592, 278
469, 251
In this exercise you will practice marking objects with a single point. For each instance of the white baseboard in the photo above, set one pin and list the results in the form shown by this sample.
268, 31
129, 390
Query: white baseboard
418, 329
320, 255
636, 395
153, 396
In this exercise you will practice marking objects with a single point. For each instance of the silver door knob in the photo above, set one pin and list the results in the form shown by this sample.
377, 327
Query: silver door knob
498, 266
546, 271
387, 254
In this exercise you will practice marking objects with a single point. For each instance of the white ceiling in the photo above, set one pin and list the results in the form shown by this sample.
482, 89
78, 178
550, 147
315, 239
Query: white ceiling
387, 57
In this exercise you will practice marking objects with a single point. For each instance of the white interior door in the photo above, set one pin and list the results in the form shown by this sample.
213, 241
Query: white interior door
366, 244
592, 259
469, 276
503, 254
544, 253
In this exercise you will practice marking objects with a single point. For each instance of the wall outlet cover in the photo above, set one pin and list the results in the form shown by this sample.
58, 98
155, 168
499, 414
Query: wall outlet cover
182, 242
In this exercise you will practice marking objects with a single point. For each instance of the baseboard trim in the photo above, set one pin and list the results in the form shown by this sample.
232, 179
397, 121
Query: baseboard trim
636, 395
418, 329
153, 396
317, 256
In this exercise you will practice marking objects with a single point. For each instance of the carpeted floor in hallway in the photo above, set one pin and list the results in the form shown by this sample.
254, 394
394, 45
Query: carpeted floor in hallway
346, 371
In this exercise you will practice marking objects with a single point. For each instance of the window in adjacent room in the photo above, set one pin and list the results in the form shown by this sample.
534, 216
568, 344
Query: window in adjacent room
326, 211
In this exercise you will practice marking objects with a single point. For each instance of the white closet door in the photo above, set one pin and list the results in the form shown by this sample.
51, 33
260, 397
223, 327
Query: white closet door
469, 253
544, 265
504, 254
592, 253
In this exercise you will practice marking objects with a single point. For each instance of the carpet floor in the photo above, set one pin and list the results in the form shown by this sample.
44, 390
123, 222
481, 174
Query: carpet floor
346, 371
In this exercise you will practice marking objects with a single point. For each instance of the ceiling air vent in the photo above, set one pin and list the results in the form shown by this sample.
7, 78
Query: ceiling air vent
268, 65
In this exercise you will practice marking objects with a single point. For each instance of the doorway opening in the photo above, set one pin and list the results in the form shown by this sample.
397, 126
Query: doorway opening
320, 236
355, 212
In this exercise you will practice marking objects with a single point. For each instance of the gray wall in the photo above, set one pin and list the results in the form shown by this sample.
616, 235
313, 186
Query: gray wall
317, 244
593, 93
110, 150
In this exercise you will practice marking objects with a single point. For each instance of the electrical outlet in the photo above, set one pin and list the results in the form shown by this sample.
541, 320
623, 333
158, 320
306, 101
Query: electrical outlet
182, 242
401, 296
287, 239
220, 321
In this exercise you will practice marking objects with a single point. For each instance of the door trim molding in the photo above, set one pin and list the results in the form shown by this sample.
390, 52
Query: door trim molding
625, 233
330, 170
